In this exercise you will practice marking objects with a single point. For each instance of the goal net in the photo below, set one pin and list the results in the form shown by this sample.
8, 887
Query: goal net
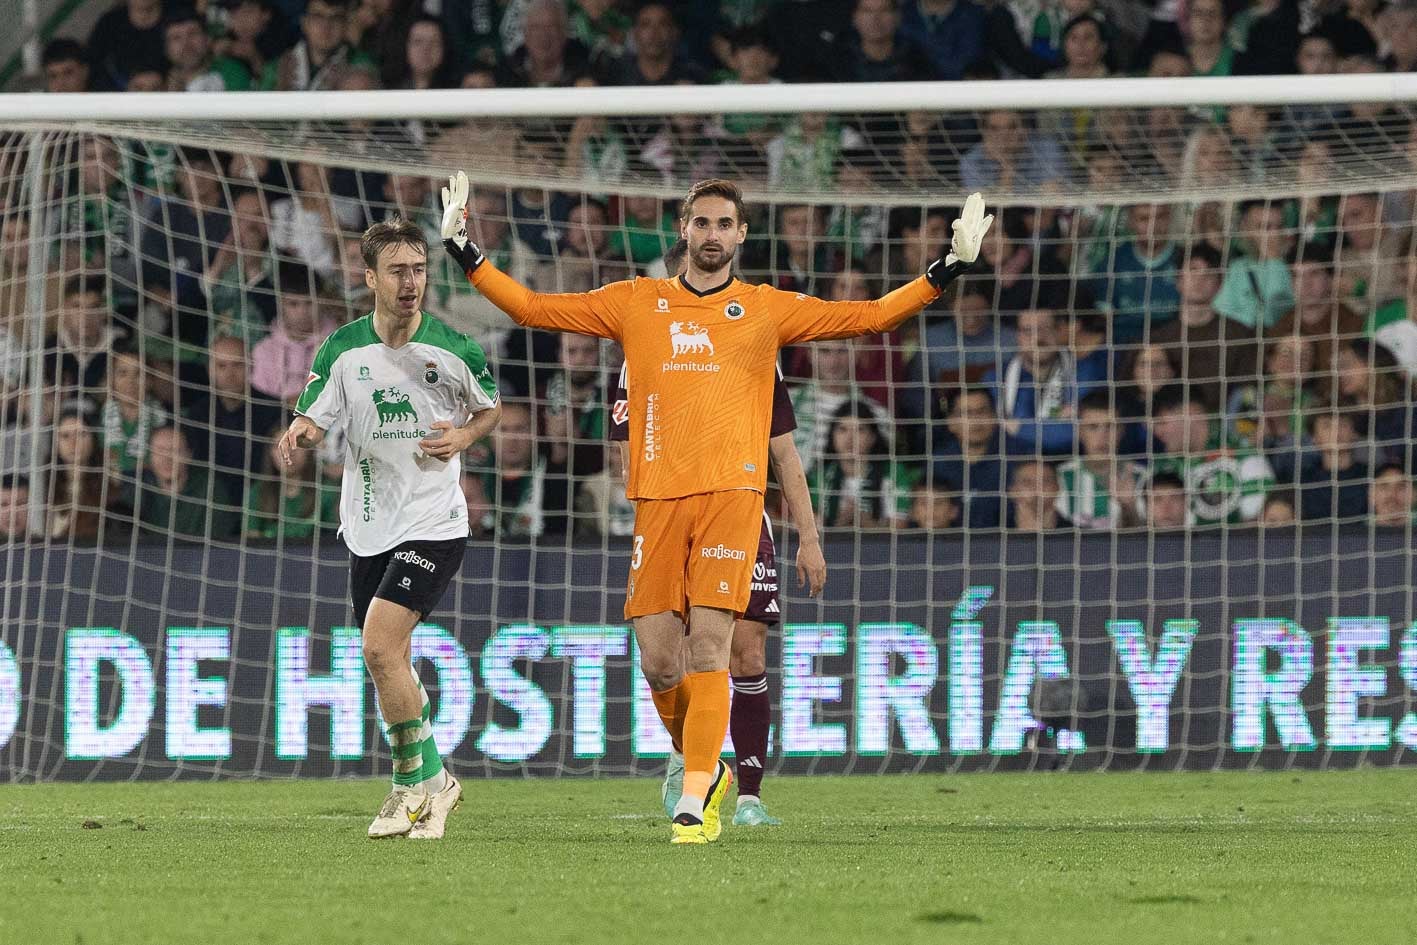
1136, 493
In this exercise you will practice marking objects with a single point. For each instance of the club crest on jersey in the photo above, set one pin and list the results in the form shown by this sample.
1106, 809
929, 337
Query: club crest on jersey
689, 338
734, 310
430, 373
392, 404
363, 372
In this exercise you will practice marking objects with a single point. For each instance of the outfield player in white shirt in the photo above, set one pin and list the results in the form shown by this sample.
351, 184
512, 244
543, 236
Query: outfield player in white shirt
411, 394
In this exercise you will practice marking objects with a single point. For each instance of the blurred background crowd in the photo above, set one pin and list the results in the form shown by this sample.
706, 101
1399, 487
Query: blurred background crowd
1199, 358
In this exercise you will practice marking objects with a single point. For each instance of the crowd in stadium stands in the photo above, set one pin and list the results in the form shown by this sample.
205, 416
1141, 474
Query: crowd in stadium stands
1146, 365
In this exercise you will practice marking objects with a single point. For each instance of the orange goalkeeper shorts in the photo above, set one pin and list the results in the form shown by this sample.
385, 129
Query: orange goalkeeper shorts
695, 551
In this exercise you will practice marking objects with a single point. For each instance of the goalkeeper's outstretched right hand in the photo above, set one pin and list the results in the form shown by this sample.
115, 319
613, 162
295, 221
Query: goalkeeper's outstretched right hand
969, 232
455, 239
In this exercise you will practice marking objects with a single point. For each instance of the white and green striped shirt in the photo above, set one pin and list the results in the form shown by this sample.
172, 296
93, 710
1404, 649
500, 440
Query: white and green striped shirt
1085, 498
388, 399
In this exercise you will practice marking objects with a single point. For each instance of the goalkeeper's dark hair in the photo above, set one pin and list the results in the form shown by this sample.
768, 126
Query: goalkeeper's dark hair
715, 187
394, 231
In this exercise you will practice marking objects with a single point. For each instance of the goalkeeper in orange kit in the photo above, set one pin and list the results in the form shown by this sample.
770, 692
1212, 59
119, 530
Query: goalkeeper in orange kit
700, 353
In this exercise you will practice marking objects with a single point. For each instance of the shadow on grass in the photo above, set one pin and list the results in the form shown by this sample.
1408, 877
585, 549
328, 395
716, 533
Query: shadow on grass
950, 917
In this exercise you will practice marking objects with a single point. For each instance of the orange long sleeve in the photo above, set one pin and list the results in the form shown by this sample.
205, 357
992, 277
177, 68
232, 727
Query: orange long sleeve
600, 313
805, 318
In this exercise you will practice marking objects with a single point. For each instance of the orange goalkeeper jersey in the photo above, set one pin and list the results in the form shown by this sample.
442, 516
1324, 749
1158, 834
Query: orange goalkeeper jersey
700, 366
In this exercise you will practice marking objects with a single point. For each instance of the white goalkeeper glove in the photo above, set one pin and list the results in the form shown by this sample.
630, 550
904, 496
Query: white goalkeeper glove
455, 240
969, 232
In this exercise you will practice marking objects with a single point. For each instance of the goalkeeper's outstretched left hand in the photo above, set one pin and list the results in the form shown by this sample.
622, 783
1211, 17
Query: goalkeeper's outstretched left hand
455, 239
969, 232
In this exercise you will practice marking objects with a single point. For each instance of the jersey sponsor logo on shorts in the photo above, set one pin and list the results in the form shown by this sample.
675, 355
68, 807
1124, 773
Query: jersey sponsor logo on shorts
406, 584
651, 427
723, 553
734, 310
772, 607
414, 558
764, 578
392, 404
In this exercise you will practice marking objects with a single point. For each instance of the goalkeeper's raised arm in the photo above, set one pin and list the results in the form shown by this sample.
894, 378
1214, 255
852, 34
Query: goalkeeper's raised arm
805, 318
598, 313
800, 318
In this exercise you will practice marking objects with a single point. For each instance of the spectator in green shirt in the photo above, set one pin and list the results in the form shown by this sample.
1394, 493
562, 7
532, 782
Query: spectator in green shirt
180, 500
191, 65
1268, 415
130, 415
647, 228
1257, 290
1225, 481
290, 501
857, 484
1101, 489
1209, 53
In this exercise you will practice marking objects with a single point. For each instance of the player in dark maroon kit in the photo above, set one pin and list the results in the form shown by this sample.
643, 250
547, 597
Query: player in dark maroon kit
751, 713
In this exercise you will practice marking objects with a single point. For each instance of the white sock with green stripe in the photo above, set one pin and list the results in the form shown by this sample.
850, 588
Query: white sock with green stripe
406, 740
432, 778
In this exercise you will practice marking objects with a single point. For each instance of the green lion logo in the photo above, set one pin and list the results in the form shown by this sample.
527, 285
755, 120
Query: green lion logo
393, 404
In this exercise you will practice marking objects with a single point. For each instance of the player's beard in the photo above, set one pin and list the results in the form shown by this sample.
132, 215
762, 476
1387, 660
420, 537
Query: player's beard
710, 263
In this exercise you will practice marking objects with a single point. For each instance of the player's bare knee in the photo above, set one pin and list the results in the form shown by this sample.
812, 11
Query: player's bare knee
744, 661
748, 656
382, 657
662, 670
709, 653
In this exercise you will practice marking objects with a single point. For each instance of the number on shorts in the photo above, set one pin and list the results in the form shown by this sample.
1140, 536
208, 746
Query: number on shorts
637, 558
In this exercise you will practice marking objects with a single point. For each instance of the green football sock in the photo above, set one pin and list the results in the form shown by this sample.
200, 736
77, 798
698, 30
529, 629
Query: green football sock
431, 776
406, 739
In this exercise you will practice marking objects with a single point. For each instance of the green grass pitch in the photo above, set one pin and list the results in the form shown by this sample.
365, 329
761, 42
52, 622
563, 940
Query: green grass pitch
1131, 858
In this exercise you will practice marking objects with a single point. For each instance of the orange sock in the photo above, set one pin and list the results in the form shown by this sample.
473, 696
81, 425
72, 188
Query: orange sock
704, 728
673, 707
